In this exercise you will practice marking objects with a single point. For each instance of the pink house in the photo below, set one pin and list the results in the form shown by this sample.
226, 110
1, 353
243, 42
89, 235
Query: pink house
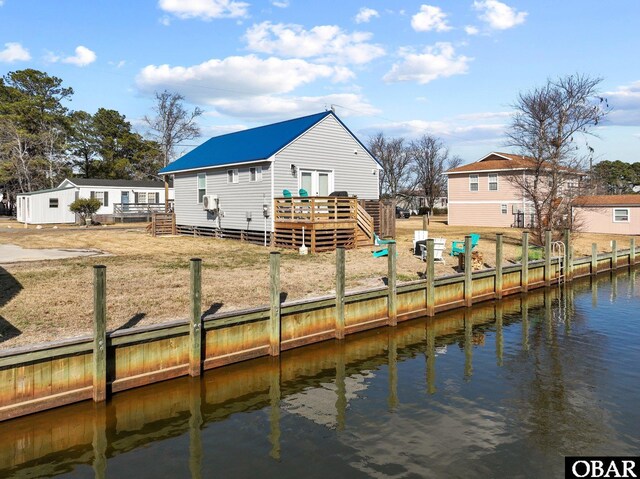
614, 214
480, 193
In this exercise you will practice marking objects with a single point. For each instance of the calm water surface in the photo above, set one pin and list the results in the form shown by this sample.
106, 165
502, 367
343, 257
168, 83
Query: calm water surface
500, 390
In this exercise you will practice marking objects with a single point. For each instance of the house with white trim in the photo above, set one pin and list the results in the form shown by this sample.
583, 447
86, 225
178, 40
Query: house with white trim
229, 183
117, 196
612, 214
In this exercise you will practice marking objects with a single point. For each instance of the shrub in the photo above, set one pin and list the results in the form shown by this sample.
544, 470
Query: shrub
85, 207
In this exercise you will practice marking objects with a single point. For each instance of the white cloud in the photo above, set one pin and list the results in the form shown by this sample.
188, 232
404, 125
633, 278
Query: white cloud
498, 15
280, 4
625, 104
437, 61
430, 18
365, 15
14, 52
327, 43
204, 9
82, 58
119, 64
165, 20
237, 77
471, 30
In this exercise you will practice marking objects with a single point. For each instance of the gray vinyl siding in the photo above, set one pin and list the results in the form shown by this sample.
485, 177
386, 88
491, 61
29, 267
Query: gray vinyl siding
328, 146
235, 199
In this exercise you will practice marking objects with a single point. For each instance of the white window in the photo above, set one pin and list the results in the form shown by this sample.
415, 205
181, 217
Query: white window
255, 173
493, 181
232, 176
152, 197
503, 209
473, 182
102, 196
621, 215
202, 186
142, 197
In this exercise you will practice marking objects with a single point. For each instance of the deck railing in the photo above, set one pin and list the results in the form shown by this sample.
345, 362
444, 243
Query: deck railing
315, 209
128, 210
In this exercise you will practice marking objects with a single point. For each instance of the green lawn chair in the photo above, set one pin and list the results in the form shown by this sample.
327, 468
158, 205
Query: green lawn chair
457, 247
303, 193
286, 193
378, 241
382, 252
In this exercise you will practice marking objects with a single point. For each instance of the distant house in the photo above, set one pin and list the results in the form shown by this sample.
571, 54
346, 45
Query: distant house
414, 200
229, 183
614, 214
123, 198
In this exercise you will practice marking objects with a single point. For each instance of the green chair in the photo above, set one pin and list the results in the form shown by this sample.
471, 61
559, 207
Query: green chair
286, 193
457, 247
303, 193
378, 241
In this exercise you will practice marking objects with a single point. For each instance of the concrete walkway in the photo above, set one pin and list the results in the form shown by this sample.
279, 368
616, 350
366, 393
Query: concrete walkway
10, 253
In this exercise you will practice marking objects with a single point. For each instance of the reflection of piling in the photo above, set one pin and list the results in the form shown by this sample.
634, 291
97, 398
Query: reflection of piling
468, 345
393, 368
340, 288
274, 413
99, 442
499, 334
524, 312
431, 360
195, 425
341, 387
594, 291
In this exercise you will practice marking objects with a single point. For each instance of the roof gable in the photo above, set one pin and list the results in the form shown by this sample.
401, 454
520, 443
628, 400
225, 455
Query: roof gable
244, 146
495, 161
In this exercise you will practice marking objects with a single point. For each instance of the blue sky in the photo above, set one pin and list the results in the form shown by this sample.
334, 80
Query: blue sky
448, 68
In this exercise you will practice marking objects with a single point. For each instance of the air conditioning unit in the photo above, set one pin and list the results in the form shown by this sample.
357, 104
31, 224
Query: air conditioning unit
210, 202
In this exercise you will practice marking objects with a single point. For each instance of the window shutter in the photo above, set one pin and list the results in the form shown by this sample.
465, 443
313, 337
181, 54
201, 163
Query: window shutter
135, 197
106, 198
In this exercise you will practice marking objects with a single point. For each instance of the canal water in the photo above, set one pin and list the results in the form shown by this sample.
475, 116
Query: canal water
499, 390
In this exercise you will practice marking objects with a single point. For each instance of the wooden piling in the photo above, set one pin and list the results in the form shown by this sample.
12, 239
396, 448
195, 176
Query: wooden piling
274, 321
195, 329
430, 273
632, 251
468, 285
567, 260
525, 262
99, 333
425, 222
340, 288
391, 285
499, 259
594, 259
614, 255
547, 257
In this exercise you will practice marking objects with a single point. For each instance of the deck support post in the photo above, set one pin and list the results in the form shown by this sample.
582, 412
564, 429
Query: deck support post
547, 257
391, 285
614, 255
195, 326
594, 259
525, 262
499, 259
274, 320
468, 278
340, 288
430, 273
99, 362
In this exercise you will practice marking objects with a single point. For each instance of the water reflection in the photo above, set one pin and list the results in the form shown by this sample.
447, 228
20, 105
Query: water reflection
387, 402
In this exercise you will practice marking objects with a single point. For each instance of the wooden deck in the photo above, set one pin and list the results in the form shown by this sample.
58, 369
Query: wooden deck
327, 222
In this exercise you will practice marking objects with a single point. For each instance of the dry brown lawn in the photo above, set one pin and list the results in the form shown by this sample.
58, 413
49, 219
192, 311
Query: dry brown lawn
148, 278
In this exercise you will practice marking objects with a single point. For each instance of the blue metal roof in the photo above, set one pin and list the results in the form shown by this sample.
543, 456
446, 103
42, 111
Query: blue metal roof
244, 146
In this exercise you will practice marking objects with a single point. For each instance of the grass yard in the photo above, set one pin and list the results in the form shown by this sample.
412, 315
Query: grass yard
148, 278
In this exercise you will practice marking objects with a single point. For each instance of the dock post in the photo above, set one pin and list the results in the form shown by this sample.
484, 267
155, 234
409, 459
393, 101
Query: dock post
547, 257
499, 259
391, 285
525, 262
568, 259
431, 283
425, 222
468, 278
594, 259
274, 321
340, 288
195, 326
99, 333
614, 255
632, 251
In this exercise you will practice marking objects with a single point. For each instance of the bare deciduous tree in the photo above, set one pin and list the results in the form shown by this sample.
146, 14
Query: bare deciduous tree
172, 123
430, 159
545, 129
396, 164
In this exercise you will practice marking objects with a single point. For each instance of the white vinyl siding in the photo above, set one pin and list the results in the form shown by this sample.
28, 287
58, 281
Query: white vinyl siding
621, 215
473, 182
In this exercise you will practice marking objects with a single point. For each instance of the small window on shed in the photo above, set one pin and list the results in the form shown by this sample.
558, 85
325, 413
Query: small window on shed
53, 202
621, 215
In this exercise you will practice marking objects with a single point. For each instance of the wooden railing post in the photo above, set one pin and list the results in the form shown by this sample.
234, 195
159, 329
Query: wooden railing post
391, 285
430, 273
525, 262
594, 259
99, 333
499, 259
547, 257
340, 288
195, 327
274, 321
468, 278
568, 267
614, 255
632, 251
